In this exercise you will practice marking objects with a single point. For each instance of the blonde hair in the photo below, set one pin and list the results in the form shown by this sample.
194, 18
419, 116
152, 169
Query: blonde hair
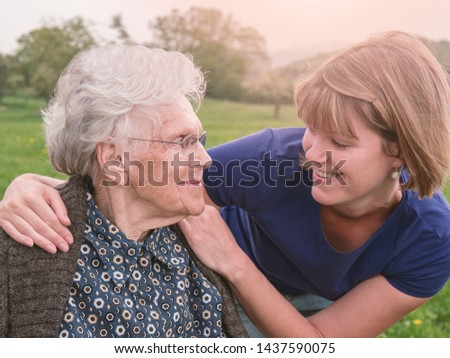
398, 87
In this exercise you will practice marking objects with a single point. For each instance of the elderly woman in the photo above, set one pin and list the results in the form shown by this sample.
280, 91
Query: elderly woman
121, 126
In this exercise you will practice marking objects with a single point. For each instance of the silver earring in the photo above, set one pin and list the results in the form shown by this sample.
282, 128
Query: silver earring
395, 174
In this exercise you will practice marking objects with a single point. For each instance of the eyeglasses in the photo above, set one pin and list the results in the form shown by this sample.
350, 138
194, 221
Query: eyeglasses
187, 142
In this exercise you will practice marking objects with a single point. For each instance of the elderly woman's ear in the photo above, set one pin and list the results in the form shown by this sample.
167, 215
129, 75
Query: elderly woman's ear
110, 163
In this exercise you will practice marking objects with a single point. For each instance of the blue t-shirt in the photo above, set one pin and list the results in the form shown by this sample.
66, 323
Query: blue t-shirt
268, 205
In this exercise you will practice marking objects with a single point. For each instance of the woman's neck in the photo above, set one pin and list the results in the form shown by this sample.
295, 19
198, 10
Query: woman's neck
347, 230
381, 203
130, 214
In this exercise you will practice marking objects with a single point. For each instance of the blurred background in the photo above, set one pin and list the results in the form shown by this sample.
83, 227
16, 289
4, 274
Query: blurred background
252, 52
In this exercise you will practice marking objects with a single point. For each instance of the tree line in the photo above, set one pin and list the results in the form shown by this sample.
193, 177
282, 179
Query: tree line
233, 57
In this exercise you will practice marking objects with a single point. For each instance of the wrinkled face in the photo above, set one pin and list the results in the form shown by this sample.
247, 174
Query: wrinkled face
349, 171
171, 176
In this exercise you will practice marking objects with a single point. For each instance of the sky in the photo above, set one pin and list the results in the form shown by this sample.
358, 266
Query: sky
290, 27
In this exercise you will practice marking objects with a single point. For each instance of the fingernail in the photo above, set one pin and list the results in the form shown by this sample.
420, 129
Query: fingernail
69, 239
28, 242
51, 249
63, 247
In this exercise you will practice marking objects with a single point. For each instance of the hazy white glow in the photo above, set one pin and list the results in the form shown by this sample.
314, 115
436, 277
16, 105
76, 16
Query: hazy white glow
286, 24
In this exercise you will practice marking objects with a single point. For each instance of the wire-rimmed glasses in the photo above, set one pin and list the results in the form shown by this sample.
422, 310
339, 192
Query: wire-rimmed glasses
187, 142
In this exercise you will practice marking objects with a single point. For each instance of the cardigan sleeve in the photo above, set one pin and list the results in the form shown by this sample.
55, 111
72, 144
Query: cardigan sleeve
33, 283
4, 294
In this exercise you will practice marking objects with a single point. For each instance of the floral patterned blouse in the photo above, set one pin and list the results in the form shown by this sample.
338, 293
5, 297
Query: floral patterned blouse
124, 288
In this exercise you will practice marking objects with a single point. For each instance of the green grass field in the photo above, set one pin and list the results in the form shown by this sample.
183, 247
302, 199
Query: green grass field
23, 150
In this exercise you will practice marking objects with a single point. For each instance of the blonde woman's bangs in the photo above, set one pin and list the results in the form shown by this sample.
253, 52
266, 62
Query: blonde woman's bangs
322, 108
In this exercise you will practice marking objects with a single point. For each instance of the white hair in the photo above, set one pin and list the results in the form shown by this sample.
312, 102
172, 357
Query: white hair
98, 89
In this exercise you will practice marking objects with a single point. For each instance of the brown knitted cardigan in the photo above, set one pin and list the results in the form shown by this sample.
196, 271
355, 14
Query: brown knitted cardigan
34, 284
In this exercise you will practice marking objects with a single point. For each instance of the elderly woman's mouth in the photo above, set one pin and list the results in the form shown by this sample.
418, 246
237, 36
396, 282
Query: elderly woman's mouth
190, 182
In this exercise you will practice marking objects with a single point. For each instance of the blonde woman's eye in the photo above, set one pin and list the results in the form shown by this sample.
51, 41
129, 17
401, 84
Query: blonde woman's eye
339, 145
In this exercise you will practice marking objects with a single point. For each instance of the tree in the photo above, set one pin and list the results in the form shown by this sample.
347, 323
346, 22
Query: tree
225, 50
44, 53
123, 35
283, 80
441, 50
273, 86
3, 76
14, 78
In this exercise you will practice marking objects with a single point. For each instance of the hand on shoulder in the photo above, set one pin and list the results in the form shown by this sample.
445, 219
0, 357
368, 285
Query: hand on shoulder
32, 212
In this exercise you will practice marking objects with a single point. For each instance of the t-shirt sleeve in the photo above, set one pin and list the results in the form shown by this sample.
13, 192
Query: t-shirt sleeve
423, 268
252, 170
237, 169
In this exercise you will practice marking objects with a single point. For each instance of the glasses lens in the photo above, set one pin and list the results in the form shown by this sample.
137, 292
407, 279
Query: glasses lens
191, 140
202, 139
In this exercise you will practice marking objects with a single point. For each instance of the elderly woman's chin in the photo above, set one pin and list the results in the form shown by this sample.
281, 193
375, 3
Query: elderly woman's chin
195, 210
191, 197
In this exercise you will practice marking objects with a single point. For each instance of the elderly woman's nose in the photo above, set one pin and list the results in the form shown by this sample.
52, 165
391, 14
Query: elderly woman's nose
205, 159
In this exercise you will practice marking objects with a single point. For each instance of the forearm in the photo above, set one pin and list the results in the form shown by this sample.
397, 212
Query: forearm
51, 182
265, 306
